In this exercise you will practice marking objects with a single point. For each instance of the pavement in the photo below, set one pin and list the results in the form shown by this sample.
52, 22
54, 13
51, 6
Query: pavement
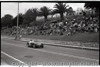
16, 52
61, 43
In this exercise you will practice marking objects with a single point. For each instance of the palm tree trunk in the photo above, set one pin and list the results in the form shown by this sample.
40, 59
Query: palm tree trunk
45, 18
61, 16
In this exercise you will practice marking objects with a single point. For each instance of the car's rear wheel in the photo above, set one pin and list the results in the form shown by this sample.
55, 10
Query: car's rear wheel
42, 46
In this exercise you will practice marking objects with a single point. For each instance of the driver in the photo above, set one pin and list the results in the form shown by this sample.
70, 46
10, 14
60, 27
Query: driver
31, 41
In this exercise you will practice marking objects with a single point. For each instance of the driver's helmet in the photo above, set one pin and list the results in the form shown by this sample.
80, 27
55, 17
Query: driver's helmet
31, 40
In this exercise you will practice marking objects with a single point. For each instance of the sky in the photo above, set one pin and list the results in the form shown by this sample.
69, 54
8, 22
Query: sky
12, 7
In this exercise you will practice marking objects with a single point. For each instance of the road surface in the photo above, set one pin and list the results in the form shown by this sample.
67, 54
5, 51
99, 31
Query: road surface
17, 53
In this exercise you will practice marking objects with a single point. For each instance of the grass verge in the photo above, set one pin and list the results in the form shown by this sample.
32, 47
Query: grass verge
79, 37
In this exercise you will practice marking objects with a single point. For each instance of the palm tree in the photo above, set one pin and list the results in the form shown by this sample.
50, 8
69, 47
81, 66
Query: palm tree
61, 9
45, 11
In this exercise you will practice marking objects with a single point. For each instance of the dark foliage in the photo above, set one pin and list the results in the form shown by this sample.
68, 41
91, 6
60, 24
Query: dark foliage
20, 21
6, 21
94, 5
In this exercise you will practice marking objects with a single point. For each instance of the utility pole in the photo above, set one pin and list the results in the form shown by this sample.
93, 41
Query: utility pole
17, 22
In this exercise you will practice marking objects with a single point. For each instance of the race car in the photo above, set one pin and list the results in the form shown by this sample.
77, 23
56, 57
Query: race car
34, 44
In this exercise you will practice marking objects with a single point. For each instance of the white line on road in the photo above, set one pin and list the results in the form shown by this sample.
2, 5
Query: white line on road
13, 57
59, 53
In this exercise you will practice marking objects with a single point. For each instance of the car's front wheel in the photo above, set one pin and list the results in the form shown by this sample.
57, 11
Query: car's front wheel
27, 44
33, 46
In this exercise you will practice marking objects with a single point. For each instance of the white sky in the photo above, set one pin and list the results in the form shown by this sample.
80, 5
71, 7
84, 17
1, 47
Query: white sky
11, 7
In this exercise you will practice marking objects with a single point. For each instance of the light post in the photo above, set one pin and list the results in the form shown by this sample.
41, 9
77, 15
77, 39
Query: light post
17, 22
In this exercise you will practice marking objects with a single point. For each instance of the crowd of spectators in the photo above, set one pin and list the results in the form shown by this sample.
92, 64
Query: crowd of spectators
66, 27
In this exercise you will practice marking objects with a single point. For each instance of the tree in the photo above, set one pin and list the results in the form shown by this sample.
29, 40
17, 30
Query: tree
35, 12
30, 16
20, 21
6, 21
61, 9
84, 13
45, 11
52, 12
92, 6
70, 11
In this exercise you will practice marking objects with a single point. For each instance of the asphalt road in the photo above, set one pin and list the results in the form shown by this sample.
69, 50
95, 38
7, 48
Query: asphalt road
16, 52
